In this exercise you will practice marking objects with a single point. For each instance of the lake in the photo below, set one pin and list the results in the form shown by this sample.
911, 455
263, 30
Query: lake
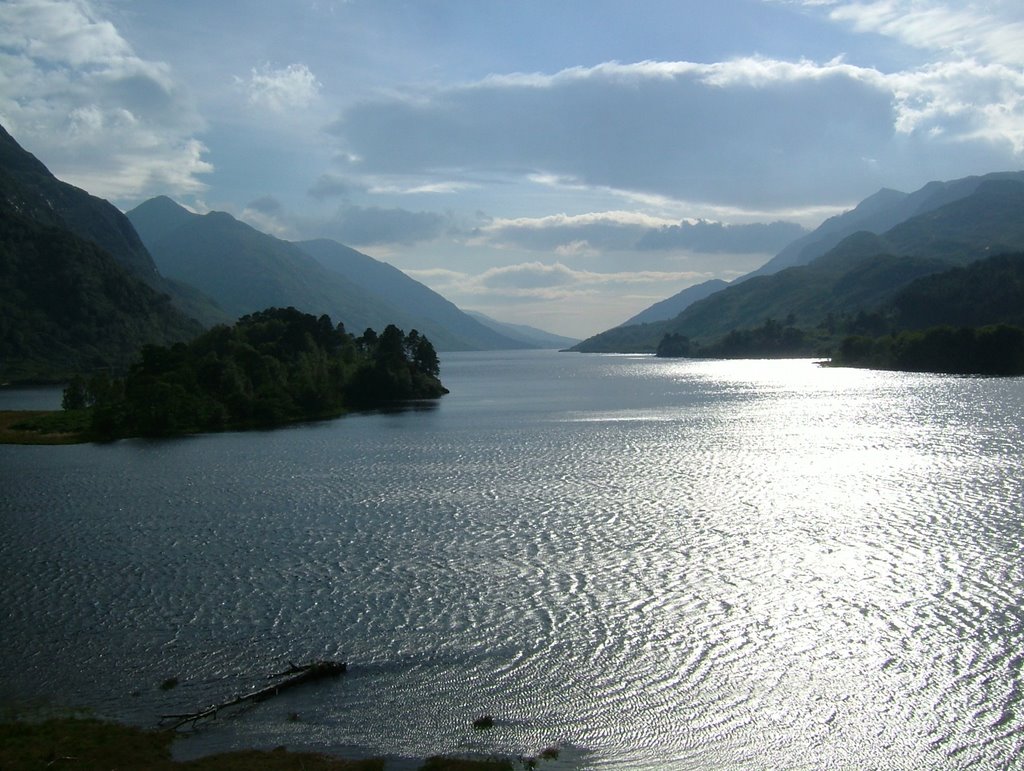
648, 563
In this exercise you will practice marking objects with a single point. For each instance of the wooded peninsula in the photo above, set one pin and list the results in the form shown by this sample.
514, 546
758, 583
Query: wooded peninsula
270, 368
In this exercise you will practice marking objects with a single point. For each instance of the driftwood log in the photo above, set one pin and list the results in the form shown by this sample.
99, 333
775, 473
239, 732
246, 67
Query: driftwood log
294, 675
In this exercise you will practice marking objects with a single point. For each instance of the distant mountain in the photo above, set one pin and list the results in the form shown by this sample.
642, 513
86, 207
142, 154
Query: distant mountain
72, 294
875, 214
860, 273
449, 328
530, 336
245, 270
677, 303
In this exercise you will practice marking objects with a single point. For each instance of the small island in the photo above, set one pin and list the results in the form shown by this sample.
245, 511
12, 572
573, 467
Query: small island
270, 368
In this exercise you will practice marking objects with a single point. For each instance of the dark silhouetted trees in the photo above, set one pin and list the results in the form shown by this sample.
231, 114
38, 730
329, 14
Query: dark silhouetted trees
274, 366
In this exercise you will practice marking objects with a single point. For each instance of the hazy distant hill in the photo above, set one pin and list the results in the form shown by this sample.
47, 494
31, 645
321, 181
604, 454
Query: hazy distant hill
449, 328
677, 303
531, 336
875, 214
72, 297
859, 273
245, 270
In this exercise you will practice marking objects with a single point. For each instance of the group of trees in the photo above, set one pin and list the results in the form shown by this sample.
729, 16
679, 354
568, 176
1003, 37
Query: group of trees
274, 366
771, 339
991, 350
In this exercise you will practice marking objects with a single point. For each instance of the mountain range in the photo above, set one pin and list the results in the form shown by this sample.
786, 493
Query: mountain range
853, 263
531, 336
83, 287
245, 270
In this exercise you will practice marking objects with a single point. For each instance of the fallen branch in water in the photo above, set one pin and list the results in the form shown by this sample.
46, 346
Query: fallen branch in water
316, 670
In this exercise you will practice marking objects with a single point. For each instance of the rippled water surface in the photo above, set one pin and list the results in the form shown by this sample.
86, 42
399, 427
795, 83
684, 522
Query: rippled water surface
662, 564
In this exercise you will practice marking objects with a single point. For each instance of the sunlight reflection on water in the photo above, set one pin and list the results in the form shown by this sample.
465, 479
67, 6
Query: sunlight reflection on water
661, 564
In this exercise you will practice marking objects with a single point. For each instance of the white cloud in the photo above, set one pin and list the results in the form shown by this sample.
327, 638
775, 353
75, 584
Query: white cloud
73, 92
992, 31
280, 90
588, 235
548, 281
578, 248
752, 132
563, 220
963, 100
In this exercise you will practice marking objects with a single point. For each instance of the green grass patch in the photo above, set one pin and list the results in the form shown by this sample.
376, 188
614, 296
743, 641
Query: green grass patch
44, 426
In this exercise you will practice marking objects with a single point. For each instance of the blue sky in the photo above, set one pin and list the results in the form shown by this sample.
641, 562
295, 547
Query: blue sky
564, 164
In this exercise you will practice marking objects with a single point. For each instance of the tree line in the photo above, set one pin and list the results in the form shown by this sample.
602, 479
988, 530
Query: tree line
271, 367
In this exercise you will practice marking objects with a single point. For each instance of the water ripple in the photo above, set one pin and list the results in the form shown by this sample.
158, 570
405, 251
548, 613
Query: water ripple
719, 565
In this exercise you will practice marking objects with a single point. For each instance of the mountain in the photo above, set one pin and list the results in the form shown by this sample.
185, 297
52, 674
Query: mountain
986, 292
72, 292
967, 320
245, 270
45, 199
449, 328
875, 214
677, 303
529, 336
860, 273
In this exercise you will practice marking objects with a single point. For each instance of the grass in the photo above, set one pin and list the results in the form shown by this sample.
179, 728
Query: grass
86, 744
44, 426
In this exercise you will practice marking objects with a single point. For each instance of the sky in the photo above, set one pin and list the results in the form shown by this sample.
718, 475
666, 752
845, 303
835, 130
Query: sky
561, 163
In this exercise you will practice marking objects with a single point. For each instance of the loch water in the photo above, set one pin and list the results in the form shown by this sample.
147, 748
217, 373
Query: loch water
648, 563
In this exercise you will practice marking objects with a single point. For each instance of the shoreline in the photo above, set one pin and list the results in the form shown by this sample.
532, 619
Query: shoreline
87, 742
35, 427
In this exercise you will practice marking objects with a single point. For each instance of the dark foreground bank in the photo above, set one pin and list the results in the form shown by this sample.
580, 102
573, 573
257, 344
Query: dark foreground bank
85, 744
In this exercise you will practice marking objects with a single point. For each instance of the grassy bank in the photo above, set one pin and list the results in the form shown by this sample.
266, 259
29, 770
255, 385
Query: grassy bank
44, 426
84, 744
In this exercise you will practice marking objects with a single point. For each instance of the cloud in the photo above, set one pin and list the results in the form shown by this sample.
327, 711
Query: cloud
578, 234
372, 225
280, 90
753, 131
714, 237
588, 234
332, 186
267, 205
73, 91
547, 281
992, 32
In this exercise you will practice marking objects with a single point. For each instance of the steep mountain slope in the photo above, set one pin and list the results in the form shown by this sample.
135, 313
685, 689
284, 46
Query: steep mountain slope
30, 187
989, 291
446, 325
66, 305
861, 272
245, 270
677, 303
877, 214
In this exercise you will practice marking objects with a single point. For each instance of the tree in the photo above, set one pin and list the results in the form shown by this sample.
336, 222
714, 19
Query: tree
425, 358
